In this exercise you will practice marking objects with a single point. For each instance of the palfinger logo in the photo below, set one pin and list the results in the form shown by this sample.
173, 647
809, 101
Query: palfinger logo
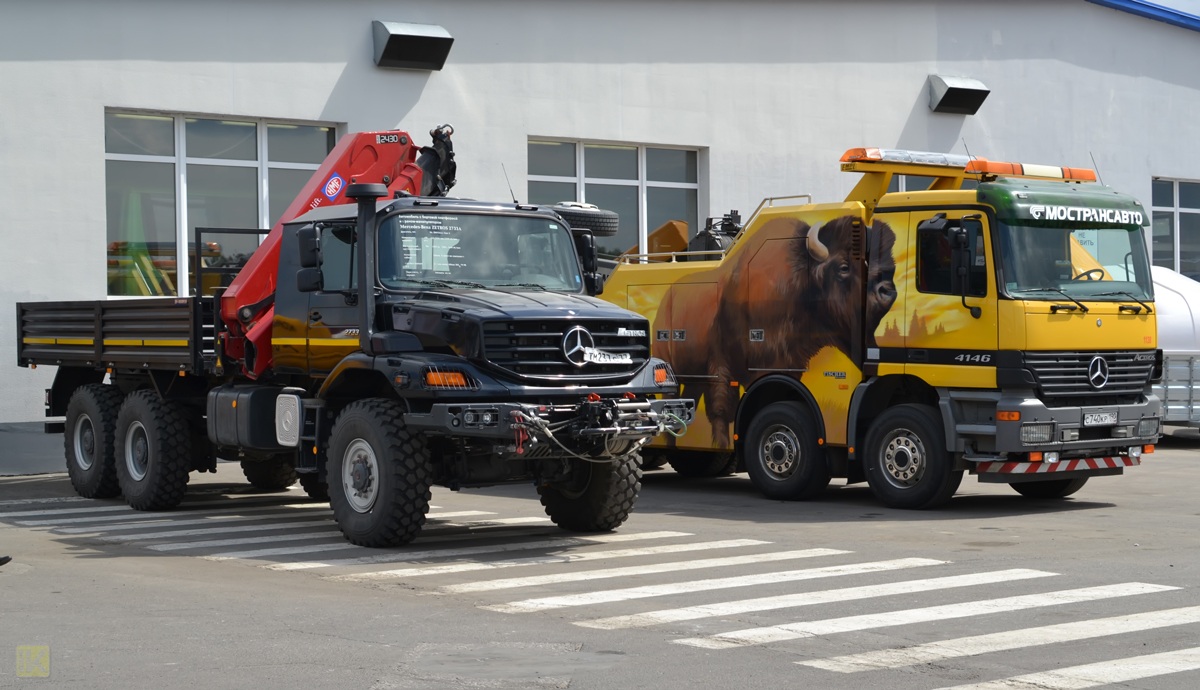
33, 661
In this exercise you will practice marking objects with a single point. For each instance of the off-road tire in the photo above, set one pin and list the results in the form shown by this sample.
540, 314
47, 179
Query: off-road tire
273, 474
599, 496
696, 464
602, 222
906, 462
389, 507
1050, 488
153, 451
313, 485
88, 440
653, 460
782, 455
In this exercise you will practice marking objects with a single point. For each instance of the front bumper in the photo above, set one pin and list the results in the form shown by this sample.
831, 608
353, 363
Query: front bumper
592, 419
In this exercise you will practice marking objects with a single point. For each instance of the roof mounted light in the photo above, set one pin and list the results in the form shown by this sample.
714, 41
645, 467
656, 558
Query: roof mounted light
945, 160
1052, 172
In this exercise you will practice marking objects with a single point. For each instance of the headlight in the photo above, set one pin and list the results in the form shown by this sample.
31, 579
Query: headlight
1151, 426
1037, 433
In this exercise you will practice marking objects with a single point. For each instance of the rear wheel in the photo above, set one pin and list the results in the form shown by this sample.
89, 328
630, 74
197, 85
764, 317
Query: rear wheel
906, 461
314, 485
153, 451
271, 474
782, 456
90, 425
695, 463
379, 475
1051, 488
598, 497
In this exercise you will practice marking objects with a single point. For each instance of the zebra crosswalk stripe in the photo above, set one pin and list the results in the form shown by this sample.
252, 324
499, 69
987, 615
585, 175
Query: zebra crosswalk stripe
792, 631
242, 541
543, 560
172, 534
1003, 641
646, 591
1098, 674
406, 556
585, 575
152, 520
730, 608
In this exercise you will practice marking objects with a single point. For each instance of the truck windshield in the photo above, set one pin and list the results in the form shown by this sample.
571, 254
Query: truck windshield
1098, 264
476, 250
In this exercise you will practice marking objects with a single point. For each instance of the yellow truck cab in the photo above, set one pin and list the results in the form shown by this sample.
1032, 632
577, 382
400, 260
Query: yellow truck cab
999, 322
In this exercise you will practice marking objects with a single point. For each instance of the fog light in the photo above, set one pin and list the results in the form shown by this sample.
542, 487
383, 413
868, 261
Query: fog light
488, 418
1037, 433
1150, 426
1051, 456
470, 417
1135, 452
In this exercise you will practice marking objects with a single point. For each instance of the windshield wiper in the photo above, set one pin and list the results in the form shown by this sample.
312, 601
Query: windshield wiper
440, 283
1120, 293
524, 285
1054, 308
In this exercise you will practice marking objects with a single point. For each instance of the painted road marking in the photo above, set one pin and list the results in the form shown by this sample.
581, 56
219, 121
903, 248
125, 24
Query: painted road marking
792, 631
730, 608
1101, 673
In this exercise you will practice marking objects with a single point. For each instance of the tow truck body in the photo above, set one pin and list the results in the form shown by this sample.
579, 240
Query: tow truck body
999, 321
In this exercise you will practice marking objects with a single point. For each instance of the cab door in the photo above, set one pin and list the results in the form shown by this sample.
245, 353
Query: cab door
949, 319
332, 319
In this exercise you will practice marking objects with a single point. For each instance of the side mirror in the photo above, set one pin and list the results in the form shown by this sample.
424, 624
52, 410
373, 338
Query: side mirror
594, 283
585, 247
309, 280
961, 267
309, 242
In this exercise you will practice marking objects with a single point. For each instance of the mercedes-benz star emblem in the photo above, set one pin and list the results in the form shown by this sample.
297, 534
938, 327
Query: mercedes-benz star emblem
1097, 372
576, 343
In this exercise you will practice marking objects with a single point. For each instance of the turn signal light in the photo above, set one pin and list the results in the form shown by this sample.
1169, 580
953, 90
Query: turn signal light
1146, 450
445, 379
1008, 416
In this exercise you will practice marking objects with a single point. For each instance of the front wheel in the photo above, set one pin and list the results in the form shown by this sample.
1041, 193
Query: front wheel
273, 474
906, 461
153, 451
90, 427
379, 475
1051, 488
701, 464
782, 456
598, 497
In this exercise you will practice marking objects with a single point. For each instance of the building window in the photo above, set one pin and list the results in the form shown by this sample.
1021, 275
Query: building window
647, 186
167, 174
1175, 233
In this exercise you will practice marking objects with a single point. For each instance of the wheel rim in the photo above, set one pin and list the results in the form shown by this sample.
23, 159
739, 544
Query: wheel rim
904, 458
360, 475
137, 451
779, 452
84, 438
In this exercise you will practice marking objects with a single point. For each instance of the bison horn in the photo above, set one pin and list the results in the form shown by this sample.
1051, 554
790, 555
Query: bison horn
818, 251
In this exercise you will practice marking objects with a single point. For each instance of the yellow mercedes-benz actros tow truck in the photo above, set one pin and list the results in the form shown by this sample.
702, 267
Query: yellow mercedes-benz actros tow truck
1000, 321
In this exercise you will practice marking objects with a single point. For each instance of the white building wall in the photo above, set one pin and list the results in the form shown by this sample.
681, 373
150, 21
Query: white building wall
772, 92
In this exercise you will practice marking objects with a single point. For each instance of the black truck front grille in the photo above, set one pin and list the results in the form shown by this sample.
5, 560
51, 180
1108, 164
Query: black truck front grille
535, 349
1063, 378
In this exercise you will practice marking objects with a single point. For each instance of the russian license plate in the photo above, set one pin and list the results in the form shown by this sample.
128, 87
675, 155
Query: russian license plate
1099, 418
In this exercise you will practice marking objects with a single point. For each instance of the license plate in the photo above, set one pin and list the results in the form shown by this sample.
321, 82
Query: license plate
1099, 418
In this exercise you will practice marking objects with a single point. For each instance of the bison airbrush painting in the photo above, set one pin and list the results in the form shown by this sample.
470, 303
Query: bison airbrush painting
779, 304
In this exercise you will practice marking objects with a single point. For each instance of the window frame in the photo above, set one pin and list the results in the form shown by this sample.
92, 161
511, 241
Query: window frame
180, 160
642, 184
1174, 211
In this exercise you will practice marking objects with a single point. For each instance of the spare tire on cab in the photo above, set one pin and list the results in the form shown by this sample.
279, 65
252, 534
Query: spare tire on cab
581, 216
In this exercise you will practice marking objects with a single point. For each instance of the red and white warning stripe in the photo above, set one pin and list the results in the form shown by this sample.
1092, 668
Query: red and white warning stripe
1062, 466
